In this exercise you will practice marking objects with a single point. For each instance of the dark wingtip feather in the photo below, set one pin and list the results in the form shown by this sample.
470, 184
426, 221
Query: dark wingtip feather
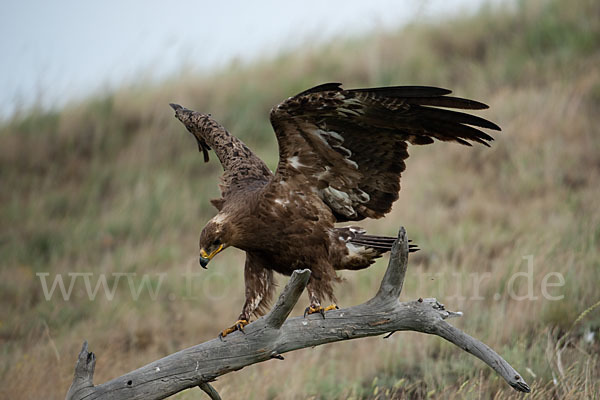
449, 102
321, 88
493, 126
476, 105
433, 114
453, 131
205, 154
406, 91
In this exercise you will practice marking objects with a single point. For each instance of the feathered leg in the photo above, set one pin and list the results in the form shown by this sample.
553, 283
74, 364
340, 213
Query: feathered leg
319, 288
259, 291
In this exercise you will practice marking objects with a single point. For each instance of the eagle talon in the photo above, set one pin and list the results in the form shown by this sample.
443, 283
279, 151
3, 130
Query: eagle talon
318, 309
238, 326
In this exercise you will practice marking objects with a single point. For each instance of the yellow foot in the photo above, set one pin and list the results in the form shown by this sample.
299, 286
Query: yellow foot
318, 309
238, 326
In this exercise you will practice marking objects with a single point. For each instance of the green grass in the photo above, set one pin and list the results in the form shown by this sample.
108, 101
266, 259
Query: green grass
114, 184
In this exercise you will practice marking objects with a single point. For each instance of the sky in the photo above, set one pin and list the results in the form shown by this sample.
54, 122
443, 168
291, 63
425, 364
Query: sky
61, 50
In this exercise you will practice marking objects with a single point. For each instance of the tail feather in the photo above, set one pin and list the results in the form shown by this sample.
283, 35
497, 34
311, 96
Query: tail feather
361, 250
384, 243
358, 237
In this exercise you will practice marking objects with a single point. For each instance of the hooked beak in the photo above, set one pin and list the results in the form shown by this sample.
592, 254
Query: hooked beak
204, 261
205, 258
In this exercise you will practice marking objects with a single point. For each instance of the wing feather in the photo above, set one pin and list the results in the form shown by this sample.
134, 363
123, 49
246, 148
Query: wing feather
448, 101
404, 91
349, 146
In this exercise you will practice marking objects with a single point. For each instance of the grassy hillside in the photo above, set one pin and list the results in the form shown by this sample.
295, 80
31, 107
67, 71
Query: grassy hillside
115, 185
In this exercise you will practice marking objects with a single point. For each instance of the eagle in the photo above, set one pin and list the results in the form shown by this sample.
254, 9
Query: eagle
341, 156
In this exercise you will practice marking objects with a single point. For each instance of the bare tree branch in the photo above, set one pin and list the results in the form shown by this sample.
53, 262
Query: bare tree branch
288, 299
391, 284
273, 335
210, 391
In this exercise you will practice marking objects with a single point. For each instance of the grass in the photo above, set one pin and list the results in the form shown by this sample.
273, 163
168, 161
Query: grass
113, 185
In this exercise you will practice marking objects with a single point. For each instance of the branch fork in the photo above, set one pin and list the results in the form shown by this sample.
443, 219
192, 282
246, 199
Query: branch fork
274, 334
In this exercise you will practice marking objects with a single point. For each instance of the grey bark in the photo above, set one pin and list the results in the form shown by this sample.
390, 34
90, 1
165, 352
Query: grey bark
275, 334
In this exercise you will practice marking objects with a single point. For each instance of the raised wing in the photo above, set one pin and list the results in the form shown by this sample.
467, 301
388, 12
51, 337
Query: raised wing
242, 169
350, 145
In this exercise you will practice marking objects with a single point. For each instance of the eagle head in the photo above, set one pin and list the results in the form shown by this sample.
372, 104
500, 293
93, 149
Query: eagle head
214, 238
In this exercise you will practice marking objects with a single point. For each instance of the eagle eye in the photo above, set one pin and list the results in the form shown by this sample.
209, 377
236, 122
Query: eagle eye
217, 242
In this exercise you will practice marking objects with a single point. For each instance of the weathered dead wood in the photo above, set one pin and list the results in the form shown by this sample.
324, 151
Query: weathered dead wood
274, 334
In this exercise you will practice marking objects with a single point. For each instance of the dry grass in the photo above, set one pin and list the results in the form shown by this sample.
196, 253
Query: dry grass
114, 185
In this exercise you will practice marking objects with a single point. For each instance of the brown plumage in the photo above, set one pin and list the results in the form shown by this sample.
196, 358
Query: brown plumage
341, 154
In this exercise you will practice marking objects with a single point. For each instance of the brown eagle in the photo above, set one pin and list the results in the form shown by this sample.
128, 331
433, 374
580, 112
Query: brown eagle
341, 154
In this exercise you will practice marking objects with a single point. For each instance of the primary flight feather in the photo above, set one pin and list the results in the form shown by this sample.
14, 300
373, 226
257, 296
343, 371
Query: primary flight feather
341, 155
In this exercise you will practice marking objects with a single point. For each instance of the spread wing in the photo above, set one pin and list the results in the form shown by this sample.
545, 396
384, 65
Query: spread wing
350, 145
